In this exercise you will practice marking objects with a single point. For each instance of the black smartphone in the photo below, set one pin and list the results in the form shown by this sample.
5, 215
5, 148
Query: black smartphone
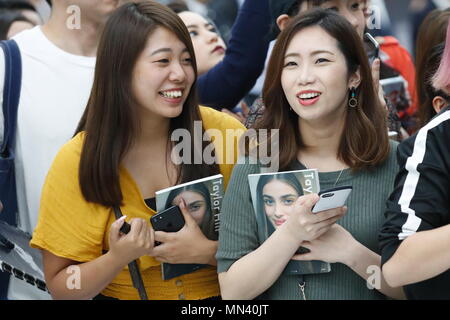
332, 198
168, 220
372, 47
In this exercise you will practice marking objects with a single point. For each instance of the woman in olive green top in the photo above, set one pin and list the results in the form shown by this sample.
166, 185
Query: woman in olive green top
319, 94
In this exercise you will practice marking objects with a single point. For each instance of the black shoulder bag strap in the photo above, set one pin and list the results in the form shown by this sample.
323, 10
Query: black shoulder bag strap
136, 276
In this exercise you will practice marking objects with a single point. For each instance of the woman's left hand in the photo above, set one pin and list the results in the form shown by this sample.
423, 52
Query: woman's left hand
333, 246
189, 245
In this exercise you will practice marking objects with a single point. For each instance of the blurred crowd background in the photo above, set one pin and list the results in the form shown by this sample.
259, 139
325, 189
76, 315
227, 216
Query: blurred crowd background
400, 18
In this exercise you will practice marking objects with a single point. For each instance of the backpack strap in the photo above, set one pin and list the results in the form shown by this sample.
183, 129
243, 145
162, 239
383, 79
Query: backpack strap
11, 92
11, 95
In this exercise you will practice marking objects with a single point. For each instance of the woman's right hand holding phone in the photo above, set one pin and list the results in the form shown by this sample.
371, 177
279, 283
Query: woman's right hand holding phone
304, 225
133, 245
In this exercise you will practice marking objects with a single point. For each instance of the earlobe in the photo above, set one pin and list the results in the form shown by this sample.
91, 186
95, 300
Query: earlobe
439, 103
282, 21
355, 79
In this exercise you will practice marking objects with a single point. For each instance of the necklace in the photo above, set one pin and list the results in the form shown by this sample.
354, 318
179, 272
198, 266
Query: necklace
338, 177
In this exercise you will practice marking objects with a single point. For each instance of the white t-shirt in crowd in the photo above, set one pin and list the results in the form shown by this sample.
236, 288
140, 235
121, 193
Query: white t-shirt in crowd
55, 89
442, 4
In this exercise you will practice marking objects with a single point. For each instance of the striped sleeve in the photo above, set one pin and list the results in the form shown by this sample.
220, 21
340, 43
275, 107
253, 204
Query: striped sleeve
420, 200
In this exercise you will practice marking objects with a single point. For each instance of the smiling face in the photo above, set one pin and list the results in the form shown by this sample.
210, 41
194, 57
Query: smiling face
315, 78
279, 198
208, 45
163, 75
195, 203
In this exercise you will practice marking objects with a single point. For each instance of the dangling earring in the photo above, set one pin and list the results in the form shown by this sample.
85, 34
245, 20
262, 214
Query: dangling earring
353, 102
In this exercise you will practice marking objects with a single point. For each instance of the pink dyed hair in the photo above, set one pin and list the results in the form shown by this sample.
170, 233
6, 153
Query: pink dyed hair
441, 80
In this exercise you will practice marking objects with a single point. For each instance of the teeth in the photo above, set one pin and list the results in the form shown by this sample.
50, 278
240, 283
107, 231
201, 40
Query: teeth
309, 95
172, 94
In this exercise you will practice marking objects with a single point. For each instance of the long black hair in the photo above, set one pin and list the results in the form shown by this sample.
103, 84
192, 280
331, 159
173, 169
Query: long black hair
110, 120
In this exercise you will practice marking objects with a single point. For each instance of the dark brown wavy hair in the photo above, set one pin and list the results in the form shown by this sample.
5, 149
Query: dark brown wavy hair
364, 142
110, 119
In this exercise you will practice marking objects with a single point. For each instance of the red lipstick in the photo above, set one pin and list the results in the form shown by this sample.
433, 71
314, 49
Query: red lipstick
311, 99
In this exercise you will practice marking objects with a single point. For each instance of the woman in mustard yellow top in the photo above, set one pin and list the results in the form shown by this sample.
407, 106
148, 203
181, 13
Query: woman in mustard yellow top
144, 89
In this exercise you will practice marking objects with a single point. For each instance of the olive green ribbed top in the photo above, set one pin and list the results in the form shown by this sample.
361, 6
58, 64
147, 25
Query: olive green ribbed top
366, 205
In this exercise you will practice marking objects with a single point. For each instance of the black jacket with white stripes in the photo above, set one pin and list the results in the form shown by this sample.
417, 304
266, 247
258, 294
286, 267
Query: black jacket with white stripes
421, 198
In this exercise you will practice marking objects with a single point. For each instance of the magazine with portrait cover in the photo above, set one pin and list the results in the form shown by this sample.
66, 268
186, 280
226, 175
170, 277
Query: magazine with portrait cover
273, 196
203, 199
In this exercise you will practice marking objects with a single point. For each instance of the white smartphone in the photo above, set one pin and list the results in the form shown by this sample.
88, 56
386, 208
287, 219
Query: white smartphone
332, 198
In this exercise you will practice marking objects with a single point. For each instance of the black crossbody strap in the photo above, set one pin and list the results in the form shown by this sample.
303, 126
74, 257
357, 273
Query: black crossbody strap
136, 276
